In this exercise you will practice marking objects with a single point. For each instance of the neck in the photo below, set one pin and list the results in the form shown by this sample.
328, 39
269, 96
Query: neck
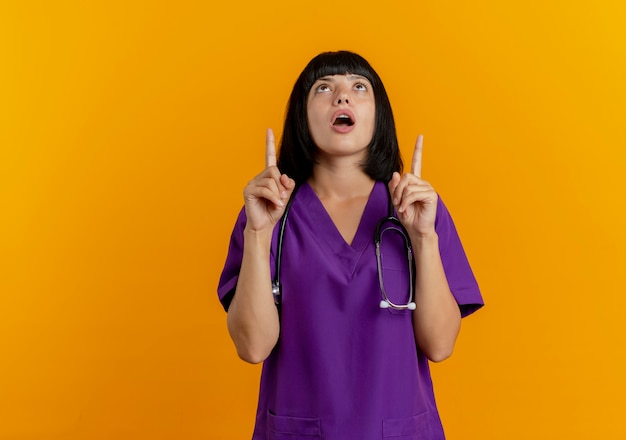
340, 182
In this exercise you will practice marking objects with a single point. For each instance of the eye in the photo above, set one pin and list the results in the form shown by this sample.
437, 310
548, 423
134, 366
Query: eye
362, 87
322, 88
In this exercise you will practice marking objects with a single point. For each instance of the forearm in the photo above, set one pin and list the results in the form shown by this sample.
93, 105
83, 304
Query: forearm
436, 319
253, 321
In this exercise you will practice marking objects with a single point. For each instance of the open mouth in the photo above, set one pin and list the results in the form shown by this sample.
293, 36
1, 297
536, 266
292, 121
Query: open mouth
343, 119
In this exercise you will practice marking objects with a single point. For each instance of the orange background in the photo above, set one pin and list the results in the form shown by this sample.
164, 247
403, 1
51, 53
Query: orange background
129, 129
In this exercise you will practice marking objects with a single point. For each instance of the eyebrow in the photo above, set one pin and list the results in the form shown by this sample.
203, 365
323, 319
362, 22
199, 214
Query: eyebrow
331, 79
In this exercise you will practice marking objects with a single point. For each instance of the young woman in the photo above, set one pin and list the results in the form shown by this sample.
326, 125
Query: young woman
345, 333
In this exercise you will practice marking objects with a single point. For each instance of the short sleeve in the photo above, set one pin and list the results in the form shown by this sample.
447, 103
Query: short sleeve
460, 277
230, 273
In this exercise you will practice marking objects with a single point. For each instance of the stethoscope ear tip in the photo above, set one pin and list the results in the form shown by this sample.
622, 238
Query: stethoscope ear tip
384, 304
411, 306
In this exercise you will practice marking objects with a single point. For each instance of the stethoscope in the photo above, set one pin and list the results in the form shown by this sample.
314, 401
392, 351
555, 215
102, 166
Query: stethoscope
389, 223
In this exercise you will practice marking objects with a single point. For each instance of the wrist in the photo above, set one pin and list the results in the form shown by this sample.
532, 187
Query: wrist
257, 234
257, 246
424, 239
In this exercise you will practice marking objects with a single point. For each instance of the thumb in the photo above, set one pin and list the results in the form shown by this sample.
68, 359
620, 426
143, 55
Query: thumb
393, 183
288, 183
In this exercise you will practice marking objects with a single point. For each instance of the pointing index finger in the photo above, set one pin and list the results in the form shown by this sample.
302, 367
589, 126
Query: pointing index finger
270, 149
416, 166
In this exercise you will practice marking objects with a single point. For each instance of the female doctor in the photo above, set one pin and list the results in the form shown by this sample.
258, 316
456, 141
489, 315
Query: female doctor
345, 348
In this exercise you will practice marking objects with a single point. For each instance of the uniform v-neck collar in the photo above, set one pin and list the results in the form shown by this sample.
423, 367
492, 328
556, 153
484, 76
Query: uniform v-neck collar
326, 231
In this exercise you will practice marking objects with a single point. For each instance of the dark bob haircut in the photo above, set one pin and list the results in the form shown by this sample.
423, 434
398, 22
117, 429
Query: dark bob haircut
297, 149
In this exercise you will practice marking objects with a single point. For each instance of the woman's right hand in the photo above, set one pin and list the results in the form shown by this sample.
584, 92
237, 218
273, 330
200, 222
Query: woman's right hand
266, 195
253, 321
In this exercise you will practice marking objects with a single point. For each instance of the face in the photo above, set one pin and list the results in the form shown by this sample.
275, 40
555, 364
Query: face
341, 114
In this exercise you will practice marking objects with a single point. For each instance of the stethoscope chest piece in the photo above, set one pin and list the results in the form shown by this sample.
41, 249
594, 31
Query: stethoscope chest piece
276, 292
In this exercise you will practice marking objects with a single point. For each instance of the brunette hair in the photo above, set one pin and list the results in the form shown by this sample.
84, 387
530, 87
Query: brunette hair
297, 149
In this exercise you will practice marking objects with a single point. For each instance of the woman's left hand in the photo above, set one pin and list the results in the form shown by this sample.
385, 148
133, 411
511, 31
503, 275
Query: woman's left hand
414, 199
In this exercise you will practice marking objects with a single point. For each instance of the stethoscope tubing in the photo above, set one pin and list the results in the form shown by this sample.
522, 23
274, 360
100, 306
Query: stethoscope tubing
399, 228
276, 286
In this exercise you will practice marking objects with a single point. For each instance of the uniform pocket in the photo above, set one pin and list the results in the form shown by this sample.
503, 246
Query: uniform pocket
411, 428
293, 428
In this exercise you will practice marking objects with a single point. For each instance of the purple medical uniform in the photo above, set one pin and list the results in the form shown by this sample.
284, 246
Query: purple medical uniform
343, 367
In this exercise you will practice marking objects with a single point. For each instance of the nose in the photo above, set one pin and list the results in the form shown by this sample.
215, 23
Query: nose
342, 96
